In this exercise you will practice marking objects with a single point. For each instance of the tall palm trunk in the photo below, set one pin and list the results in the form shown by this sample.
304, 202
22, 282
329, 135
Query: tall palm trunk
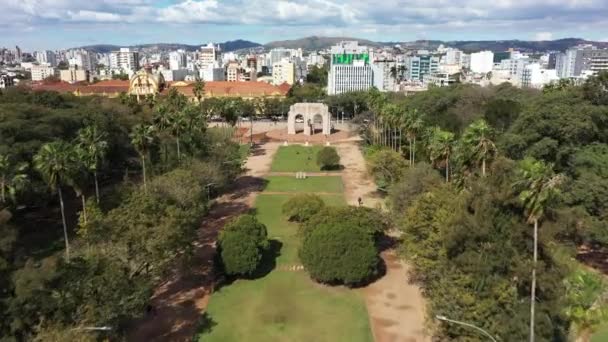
411, 152
533, 290
414, 152
96, 187
447, 169
65, 226
84, 208
178, 150
143, 167
483, 166
2, 190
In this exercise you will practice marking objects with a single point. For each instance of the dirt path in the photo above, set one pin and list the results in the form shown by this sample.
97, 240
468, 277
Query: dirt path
395, 307
179, 302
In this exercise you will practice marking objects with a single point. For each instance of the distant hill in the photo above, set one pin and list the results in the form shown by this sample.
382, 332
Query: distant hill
315, 43
229, 46
319, 43
503, 45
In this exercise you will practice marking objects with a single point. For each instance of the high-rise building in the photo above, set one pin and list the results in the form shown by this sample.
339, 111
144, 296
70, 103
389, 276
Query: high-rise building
283, 71
418, 66
350, 68
42, 71
82, 59
534, 76
233, 72
278, 54
208, 55
125, 60
177, 60
581, 59
46, 57
17, 53
385, 74
482, 62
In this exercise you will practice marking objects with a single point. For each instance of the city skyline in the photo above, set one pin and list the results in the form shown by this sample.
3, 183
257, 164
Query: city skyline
68, 23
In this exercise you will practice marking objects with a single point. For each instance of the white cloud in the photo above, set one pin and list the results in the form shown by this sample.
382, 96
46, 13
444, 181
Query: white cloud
543, 36
481, 16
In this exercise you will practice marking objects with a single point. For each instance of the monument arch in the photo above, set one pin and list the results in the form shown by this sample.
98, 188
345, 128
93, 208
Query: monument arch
310, 113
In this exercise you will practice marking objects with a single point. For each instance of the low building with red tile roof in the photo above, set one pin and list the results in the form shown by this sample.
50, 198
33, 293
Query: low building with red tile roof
247, 90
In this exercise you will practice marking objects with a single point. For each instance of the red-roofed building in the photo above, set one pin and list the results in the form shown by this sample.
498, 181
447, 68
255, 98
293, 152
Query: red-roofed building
247, 90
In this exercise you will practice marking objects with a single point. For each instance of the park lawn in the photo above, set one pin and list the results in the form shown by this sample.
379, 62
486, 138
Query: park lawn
296, 158
601, 335
325, 184
286, 306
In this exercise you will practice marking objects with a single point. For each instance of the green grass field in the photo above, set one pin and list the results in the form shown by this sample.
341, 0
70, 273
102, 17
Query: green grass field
286, 305
311, 184
601, 335
296, 158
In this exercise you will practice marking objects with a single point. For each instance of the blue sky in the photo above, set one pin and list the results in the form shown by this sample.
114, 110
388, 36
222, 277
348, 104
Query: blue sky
54, 24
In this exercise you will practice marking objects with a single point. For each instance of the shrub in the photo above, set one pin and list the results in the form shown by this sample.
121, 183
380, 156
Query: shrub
327, 158
370, 220
242, 244
339, 253
302, 207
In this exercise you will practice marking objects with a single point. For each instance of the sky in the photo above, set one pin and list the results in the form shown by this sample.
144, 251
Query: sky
58, 24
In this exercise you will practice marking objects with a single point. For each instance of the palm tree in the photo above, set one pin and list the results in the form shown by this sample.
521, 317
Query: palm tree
394, 72
414, 124
12, 178
54, 161
478, 137
440, 148
93, 145
177, 126
199, 90
402, 70
537, 186
142, 138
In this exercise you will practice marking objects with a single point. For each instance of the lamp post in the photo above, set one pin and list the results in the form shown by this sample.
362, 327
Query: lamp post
445, 319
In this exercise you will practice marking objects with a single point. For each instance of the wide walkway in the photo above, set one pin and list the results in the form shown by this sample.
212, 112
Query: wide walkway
395, 307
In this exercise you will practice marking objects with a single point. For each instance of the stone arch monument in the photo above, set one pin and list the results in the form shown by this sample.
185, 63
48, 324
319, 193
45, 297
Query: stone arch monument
309, 111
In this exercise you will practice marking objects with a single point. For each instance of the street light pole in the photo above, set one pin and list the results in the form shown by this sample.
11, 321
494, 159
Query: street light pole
445, 319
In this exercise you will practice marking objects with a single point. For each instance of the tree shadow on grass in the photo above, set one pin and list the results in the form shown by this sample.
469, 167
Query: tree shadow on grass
204, 326
333, 168
268, 263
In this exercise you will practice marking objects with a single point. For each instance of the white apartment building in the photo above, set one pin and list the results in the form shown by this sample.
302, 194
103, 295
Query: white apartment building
283, 71
347, 78
482, 62
208, 55
42, 71
177, 60
174, 75
350, 68
233, 72
81, 59
73, 75
534, 76
452, 57
124, 60
46, 57
383, 78
212, 73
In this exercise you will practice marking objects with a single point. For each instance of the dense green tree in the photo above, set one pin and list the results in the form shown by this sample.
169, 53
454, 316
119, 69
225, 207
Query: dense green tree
328, 158
302, 207
339, 253
12, 178
387, 166
596, 89
242, 244
415, 181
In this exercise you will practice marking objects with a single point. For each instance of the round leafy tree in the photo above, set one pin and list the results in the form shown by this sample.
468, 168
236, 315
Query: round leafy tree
370, 220
328, 159
302, 207
339, 253
242, 244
